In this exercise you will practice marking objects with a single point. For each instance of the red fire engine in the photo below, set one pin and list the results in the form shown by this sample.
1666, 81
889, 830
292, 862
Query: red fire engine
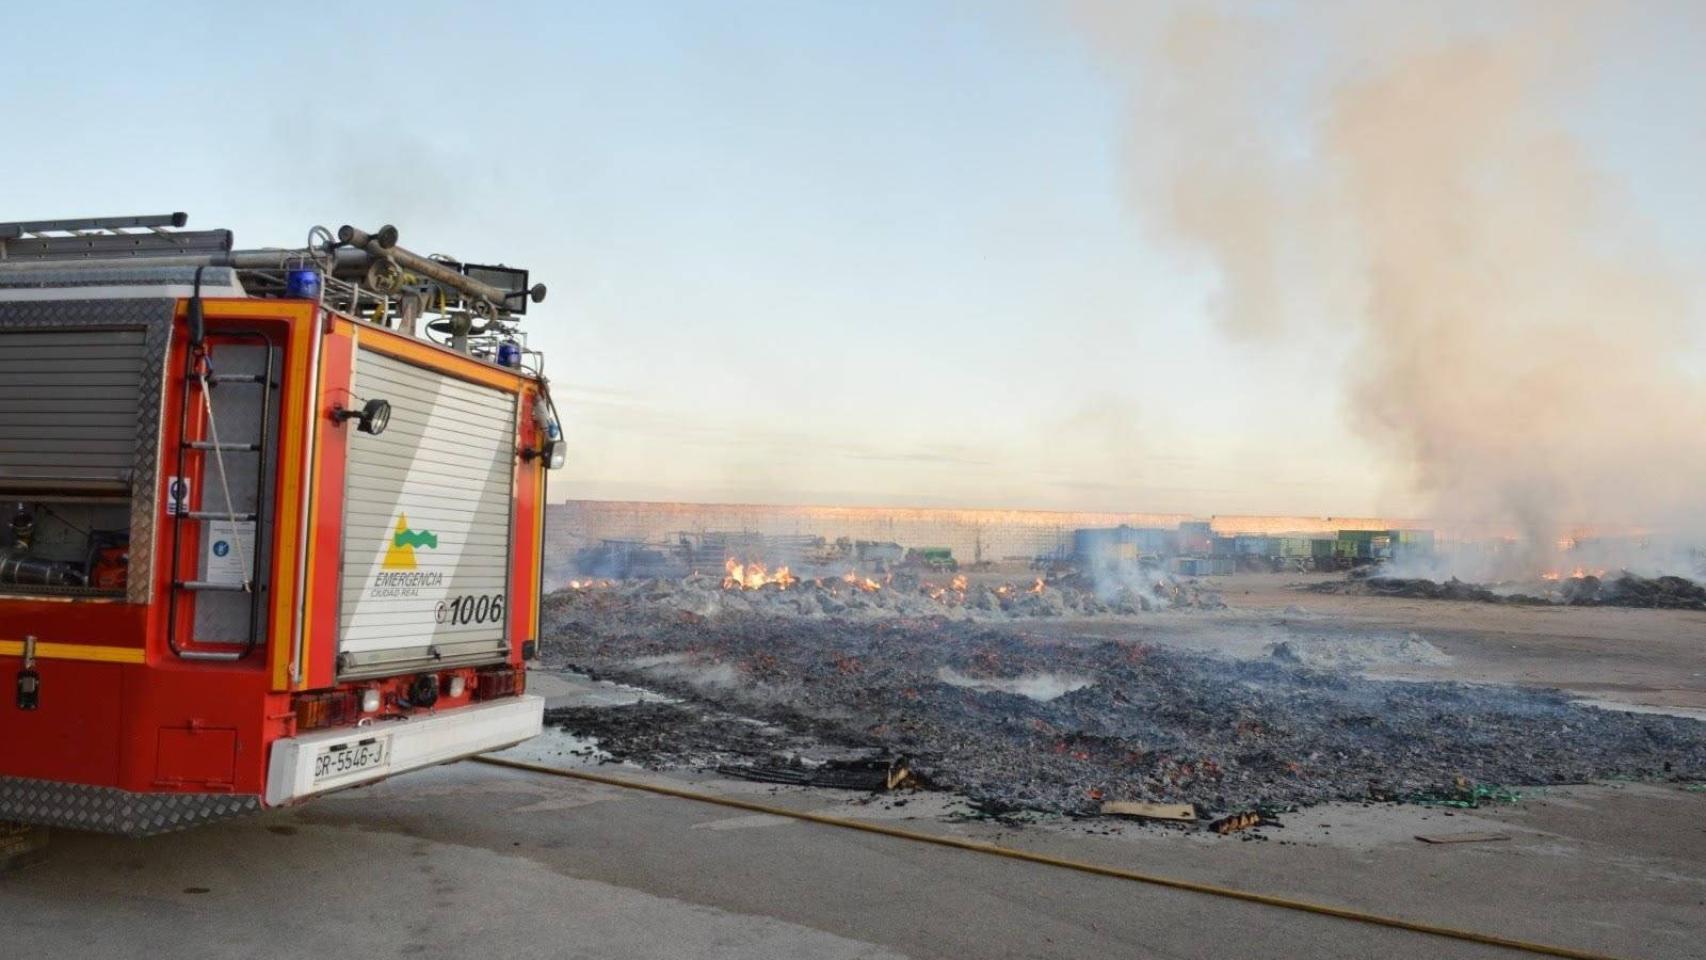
270, 520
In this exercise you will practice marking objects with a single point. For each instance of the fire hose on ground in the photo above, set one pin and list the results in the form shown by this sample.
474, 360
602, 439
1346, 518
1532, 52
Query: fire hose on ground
978, 846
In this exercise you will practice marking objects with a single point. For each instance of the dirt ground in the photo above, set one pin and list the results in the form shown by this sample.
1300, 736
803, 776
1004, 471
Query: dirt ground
1645, 658
1612, 866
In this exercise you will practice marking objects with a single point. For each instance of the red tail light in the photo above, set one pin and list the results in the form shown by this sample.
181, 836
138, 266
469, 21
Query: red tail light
497, 682
316, 710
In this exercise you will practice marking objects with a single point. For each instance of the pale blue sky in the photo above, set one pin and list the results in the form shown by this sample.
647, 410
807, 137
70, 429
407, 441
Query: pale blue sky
798, 252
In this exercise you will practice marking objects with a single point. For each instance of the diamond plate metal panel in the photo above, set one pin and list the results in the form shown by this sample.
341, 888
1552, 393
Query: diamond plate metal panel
79, 806
155, 318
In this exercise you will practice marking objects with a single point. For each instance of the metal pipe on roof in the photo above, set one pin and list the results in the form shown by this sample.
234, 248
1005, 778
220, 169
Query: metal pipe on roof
360, 252
384, 245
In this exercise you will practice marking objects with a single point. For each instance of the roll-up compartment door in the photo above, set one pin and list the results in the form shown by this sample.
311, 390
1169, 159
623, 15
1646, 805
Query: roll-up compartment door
426, 523
68, 408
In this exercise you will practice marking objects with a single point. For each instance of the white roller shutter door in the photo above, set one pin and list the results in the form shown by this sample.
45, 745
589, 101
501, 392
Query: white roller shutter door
426, 523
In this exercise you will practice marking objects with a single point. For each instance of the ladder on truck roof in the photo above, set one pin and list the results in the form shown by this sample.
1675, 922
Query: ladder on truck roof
108, 238
471, 308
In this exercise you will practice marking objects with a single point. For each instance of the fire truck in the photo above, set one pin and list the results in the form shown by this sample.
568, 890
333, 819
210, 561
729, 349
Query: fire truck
270, 520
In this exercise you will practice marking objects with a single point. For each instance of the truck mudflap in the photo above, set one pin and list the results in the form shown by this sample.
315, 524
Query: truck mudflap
315, 763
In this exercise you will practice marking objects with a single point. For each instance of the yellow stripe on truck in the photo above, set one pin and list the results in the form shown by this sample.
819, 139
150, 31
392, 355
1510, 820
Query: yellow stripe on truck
74, 651
538, 553
443, 360
294, 413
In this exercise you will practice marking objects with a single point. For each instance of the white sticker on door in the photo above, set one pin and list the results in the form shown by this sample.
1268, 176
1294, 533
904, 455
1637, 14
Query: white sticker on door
230, 548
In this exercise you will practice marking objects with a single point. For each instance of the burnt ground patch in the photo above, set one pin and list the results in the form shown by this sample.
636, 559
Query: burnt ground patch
1099, 719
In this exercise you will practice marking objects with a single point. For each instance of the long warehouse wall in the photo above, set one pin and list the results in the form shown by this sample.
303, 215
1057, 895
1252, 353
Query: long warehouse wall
973, 535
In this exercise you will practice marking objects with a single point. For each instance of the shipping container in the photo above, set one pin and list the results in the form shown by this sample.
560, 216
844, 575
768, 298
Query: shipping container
1250, 546
1196, 538
1204, 566
1095, 545
1412, 543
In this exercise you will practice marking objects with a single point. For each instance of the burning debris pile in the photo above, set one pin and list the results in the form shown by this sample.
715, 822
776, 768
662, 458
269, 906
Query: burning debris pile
755, 589
1582, 590
1629, 590
1015, 721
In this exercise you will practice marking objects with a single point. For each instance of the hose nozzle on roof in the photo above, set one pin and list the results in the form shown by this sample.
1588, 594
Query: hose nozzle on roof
384, 245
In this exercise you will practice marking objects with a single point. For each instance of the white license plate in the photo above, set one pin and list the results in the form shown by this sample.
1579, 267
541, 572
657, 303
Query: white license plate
343, 759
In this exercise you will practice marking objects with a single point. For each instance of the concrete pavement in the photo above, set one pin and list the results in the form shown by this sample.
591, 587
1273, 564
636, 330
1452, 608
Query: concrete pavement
471, 860
507, 864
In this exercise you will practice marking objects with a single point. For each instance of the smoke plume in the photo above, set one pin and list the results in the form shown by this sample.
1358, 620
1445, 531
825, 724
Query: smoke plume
1515, 337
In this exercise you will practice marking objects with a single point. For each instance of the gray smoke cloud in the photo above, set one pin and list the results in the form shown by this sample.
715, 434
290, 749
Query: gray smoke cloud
1516, 338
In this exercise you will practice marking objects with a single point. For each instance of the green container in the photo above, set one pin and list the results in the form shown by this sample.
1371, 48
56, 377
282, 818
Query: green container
1358, 544
1412, 543
1362, 536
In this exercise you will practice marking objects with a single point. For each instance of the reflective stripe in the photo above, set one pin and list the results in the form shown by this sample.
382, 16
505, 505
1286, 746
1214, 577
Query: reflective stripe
295, 410
74, 651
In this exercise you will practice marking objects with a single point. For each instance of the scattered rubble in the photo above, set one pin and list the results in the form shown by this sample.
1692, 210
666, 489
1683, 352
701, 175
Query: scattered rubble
1149, 724
1630, 590
1182, 812
1236, 822
1462, 793
854, 597
671, 734
871, 775
1624, 590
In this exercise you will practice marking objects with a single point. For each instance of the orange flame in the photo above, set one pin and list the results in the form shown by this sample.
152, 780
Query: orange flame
1038, 586
751, 576
1575, 574
863, 583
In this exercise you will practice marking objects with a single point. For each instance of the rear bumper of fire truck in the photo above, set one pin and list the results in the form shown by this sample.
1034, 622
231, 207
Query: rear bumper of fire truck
298, 770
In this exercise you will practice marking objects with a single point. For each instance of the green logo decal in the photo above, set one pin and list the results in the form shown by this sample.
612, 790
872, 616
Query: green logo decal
415, 538
400, 553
